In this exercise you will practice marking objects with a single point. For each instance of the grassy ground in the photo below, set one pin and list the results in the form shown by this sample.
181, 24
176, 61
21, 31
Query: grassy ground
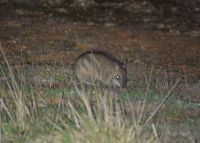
40, 104
33, 112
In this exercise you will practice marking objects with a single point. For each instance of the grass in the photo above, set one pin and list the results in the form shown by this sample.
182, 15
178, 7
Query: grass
83, 117
68, 114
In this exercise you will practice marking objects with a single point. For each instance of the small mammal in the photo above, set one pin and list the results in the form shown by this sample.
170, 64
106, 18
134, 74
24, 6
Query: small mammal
99, 66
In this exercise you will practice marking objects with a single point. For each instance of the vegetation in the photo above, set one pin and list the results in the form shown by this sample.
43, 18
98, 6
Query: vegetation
72, 114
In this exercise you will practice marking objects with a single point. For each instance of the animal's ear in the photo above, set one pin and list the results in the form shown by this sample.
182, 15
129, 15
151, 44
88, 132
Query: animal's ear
125, 63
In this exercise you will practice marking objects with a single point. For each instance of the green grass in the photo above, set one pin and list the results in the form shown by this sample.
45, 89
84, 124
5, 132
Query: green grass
73, 121
82, 116
68, 114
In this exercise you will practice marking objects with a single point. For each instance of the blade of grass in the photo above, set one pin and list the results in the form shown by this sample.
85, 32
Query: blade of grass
162, 102
146, 94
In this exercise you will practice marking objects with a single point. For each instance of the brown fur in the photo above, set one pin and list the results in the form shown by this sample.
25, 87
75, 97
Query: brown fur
100, 66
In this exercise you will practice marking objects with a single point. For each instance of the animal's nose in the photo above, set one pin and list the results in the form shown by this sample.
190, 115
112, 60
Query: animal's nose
123, 85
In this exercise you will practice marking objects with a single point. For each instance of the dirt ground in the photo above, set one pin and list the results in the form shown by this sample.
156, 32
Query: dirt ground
32, 36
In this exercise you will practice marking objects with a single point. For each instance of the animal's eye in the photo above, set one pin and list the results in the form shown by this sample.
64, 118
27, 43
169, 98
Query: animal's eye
117, 77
